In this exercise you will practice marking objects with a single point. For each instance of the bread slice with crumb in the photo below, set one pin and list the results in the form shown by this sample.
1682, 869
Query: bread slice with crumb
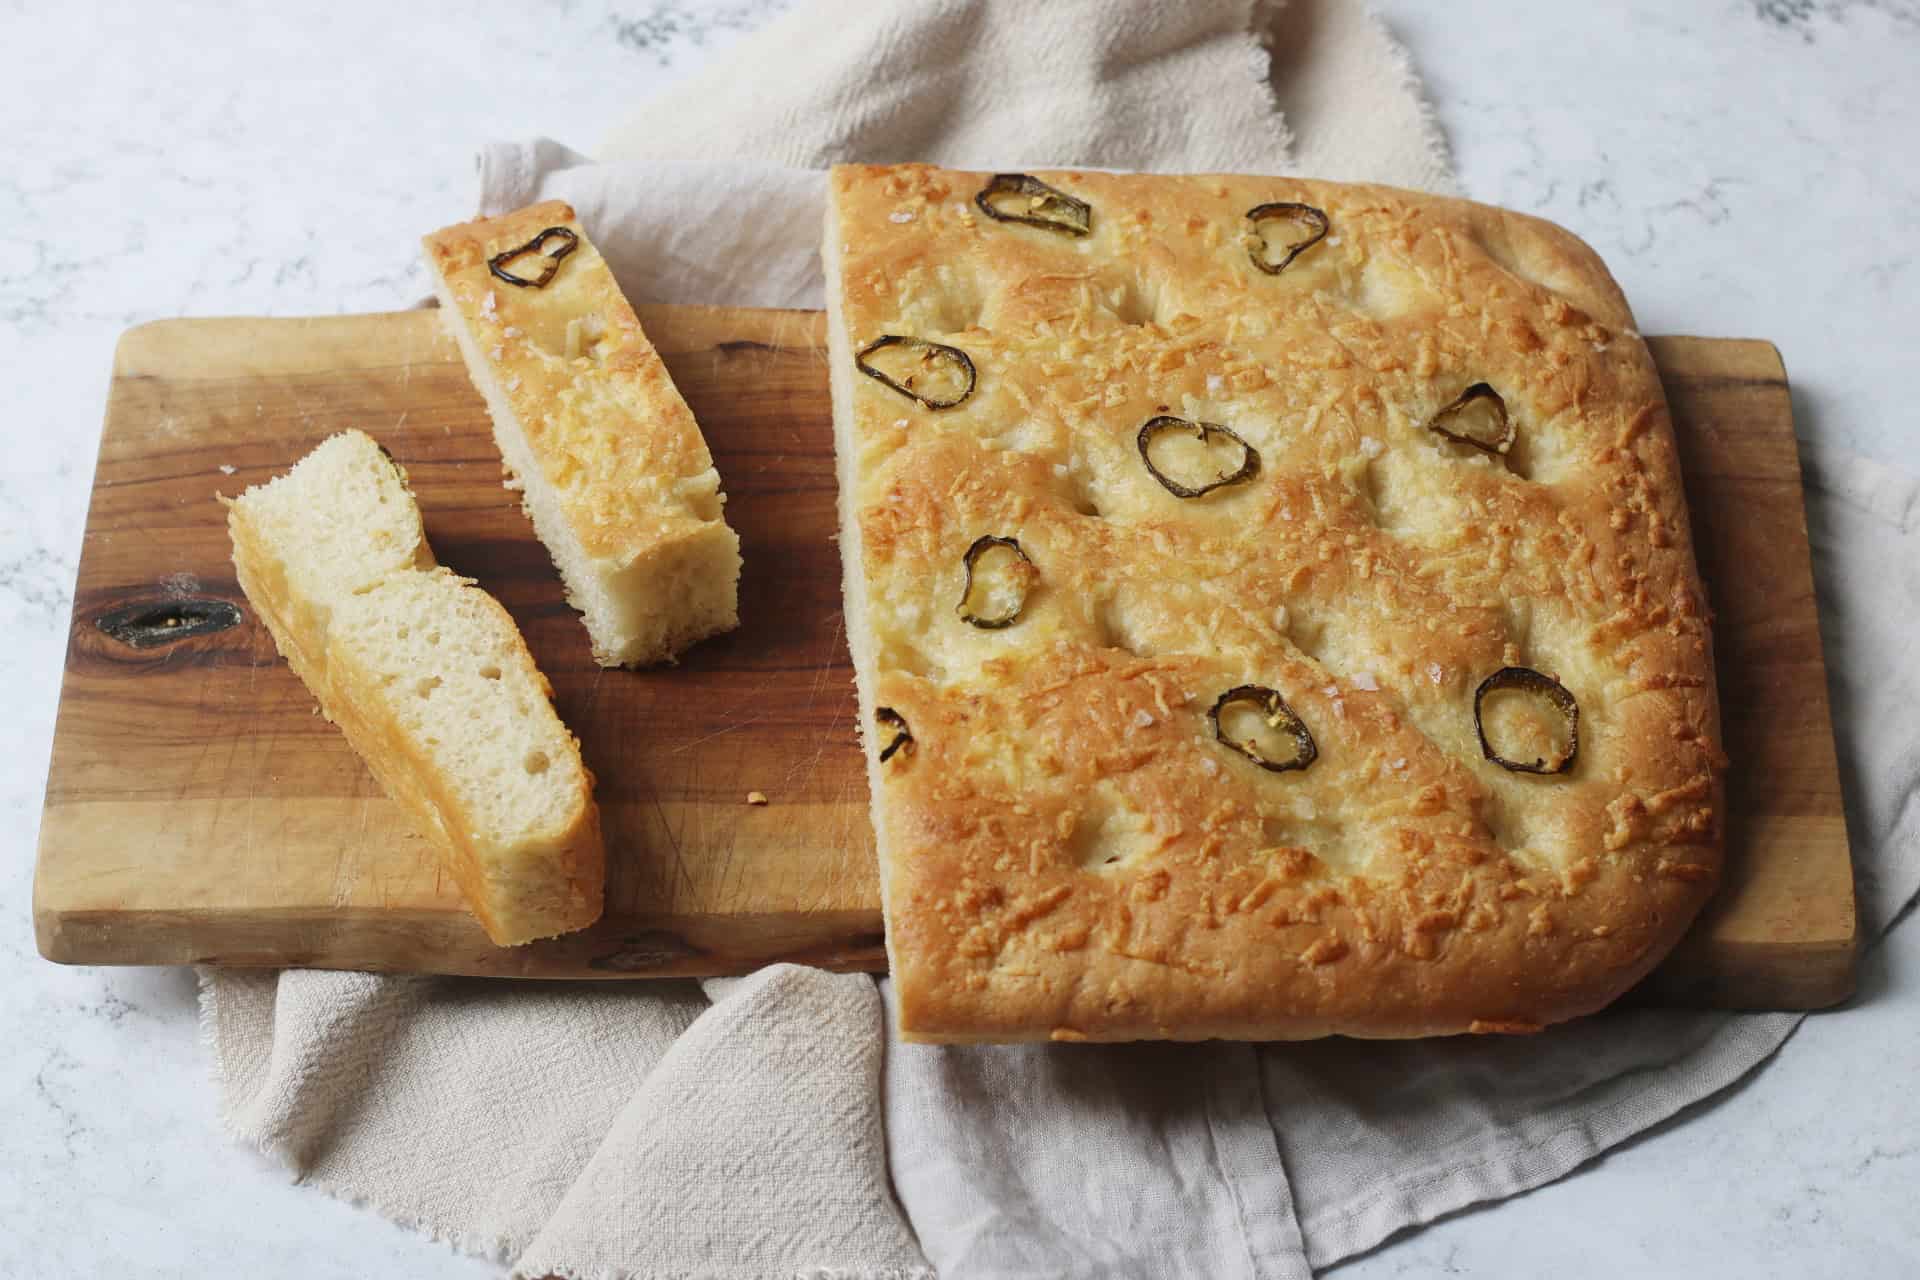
613, 470
430, 681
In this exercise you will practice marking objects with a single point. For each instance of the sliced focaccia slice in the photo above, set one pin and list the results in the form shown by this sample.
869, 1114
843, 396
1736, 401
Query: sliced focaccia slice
430, 681
612, 467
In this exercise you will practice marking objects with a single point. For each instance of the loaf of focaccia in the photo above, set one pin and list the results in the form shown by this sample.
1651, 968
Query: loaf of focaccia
1272, 604
612, 467
430, 681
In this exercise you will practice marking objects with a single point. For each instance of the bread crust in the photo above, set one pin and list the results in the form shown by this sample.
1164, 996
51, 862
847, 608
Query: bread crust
1370, 570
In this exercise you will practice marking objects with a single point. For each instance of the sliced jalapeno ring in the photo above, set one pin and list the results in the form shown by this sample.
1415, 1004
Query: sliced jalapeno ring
889, 719
992, 600
1477, 417
1276, 722
1309, 227
1207, 434
1527, 680
1019, 197
569, 241
932, 373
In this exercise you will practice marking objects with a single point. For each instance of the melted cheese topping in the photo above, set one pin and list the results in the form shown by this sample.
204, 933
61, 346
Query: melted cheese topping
1068, 849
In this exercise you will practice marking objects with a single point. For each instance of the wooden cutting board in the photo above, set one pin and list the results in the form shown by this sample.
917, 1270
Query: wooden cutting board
198, 809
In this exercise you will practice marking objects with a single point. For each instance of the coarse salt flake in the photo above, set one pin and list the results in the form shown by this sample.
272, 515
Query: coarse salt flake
900, 215
1365, 680
511, 332
1215, 384
1436, 673
226, 468
1371, 446
1142, 718
1280, 618
1208, 766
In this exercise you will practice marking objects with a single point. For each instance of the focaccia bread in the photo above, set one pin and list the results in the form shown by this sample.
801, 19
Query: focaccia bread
1273, 609
430, 681
613, 470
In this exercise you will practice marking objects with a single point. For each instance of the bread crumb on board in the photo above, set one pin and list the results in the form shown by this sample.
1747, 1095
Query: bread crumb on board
756, 797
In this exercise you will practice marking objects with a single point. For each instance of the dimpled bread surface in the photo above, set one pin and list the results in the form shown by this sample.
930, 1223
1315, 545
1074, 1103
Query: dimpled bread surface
1069, 849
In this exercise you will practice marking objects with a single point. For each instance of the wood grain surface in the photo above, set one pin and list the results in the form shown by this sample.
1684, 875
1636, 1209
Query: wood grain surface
199, 810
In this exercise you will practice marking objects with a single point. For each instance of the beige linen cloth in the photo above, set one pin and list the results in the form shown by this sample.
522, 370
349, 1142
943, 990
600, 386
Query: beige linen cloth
767, 1126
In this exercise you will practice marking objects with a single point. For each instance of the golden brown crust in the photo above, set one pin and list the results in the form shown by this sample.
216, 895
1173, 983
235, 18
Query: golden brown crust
616, 471
617, 478
1401, 885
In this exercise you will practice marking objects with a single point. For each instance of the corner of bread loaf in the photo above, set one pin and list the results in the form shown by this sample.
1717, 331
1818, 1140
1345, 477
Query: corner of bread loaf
565, 892
670, 597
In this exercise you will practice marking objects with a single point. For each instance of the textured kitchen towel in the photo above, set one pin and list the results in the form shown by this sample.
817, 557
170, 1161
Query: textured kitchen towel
735, 1129
1312, 86
580, 1129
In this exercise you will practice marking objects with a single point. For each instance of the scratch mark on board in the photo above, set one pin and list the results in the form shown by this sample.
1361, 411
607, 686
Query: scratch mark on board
673, 841
721, 732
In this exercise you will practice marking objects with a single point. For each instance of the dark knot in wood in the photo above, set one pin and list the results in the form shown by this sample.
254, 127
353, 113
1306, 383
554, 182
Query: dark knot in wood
163, 622
637, 953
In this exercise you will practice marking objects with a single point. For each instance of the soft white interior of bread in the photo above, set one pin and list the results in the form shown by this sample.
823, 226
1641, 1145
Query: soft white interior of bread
429, 679
343, 515
339, 521
446, 662
664, 601
853, 580
586, 589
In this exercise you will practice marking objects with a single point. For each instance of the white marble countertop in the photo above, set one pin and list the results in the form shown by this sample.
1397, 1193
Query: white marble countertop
1748, 168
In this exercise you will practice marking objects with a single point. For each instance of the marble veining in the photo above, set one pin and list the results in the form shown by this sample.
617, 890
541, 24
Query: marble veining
1799, 16
1746, 166
662, 29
